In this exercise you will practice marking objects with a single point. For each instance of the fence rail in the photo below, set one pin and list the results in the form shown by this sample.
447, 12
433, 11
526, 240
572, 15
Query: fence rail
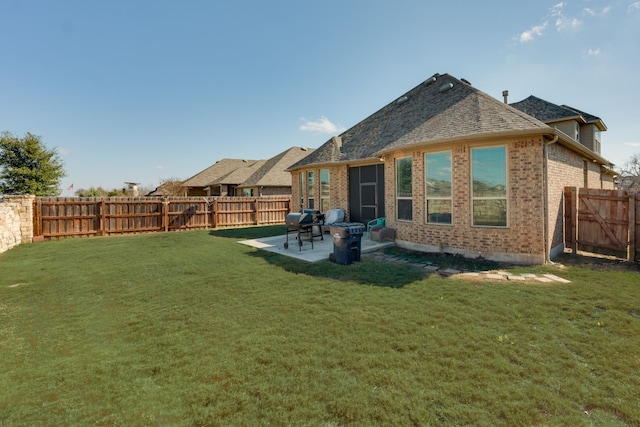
78, 216
603, 221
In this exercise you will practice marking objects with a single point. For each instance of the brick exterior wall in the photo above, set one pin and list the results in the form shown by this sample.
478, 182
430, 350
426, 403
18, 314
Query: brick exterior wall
16, 221
523, 240
566, 168
338, 188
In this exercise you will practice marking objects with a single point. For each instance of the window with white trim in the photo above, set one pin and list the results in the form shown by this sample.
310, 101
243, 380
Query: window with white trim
489, 189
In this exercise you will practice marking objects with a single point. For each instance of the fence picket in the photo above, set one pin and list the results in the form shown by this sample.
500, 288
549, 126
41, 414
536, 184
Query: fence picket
73, 216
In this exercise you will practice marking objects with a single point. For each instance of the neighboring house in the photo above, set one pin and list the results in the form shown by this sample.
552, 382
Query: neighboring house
212, 182
272, 178
227, 185
454, 170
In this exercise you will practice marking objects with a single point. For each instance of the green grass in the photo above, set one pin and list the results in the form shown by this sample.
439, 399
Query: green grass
194, 329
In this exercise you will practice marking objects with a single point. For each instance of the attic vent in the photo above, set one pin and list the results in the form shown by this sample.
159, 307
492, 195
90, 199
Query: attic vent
402, 100
445, 87
431, 80
465, 81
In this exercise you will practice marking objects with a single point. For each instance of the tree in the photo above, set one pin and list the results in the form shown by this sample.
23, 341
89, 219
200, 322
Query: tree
101, 192
28, 167
630, 173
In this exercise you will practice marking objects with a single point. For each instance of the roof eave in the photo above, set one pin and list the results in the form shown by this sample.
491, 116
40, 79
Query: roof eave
468, 138
574, 145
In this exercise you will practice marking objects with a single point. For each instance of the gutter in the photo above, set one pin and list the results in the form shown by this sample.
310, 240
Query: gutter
545, 177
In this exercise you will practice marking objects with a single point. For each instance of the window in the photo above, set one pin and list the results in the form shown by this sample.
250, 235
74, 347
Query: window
404, 202
301, 185
311, 182
325, 204
247, 192
489, 193
438, 188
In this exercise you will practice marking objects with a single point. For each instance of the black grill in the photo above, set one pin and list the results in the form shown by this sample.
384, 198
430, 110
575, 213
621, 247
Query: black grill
306, 223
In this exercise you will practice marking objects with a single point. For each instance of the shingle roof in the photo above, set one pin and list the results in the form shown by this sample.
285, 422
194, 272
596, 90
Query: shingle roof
273, 172
544, 110
549, 112
216, 171
240, 174
589, 118
440, 108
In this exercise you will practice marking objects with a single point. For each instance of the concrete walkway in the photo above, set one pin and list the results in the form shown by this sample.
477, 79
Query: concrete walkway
321, 248
490, 275
315, 251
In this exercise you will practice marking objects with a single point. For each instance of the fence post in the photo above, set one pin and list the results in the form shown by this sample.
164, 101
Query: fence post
214, 213
256, 211
571, 217
631, 247
102, 217
165, 214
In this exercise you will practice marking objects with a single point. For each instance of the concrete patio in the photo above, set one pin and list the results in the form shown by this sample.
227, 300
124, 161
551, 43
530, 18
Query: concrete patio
319, 251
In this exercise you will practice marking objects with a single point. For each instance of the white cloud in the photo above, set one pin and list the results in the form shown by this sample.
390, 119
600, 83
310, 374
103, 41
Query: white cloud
595, 12
159, 167
634, 6
532, 33
593, 52
564, 23
63, 151
322, 125
556, 9
632, 144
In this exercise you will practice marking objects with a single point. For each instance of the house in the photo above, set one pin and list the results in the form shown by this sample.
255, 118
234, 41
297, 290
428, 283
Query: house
227, 185
455, 170
272, 178
216, 180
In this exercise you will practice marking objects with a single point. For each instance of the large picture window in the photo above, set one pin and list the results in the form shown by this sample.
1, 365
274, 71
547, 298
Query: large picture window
438, 188
404, 201
311, 183
489, 173
324, 191
301, 182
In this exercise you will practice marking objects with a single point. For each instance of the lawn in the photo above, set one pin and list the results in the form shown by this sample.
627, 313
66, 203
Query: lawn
194, 329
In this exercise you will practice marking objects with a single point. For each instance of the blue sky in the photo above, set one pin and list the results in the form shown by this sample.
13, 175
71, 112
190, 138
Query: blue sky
140, 91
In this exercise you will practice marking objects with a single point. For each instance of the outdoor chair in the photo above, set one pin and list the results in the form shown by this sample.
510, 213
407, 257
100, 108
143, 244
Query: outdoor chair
378, 222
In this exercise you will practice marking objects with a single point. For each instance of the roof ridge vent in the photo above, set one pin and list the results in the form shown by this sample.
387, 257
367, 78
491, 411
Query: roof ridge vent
431, 80
465, 81
402, 100
445, 87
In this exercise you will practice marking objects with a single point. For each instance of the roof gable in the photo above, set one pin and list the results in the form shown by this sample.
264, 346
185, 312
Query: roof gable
273, 172
216, 171
238, 175
549, 112
440, 108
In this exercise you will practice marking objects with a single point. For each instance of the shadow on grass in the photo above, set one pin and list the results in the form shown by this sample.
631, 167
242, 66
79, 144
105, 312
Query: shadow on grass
247, 233
365, 272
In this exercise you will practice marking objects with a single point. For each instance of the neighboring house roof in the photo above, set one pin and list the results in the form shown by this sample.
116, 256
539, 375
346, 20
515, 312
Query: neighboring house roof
439, 109
549, 112
239, 175
273, 172
216, 171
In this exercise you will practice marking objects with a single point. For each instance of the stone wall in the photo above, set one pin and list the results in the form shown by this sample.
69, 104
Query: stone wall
16, 221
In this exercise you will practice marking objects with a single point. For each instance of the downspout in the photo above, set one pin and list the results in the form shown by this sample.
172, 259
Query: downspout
545, 177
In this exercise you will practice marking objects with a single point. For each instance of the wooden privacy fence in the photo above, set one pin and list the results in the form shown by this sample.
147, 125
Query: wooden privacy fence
82, 216
602, 221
